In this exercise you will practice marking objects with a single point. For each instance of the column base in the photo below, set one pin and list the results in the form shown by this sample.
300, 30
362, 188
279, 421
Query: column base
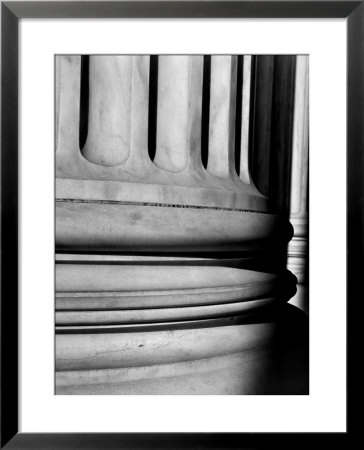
256, 355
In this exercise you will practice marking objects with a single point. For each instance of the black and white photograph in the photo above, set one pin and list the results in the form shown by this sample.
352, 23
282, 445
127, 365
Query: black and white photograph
181, 224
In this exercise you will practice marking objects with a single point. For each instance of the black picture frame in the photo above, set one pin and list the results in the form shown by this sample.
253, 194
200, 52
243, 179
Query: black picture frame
11, 12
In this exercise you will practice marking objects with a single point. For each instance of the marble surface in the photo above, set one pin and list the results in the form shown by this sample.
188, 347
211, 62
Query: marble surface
109, 107
102, 226
267, 357
298, 247
116, 149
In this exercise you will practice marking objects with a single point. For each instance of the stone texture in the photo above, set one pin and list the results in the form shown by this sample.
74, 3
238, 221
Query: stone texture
136, 227
178, 111
67, 104
245, 174
251, 358
115, 164
221, 160
109, 110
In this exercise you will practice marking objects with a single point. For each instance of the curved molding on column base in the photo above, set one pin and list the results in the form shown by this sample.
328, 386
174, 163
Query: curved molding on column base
118, 290
268, 357
119, 317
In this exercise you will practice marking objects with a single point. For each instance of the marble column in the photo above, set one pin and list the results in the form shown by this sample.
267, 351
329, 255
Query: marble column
168, 279
298, 246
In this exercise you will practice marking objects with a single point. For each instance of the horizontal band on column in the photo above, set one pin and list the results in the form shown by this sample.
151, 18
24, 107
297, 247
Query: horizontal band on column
136, 289
159, 205
142, 192
257, 316
116, 301
107, 351
125, 380
135, 227
159, 314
